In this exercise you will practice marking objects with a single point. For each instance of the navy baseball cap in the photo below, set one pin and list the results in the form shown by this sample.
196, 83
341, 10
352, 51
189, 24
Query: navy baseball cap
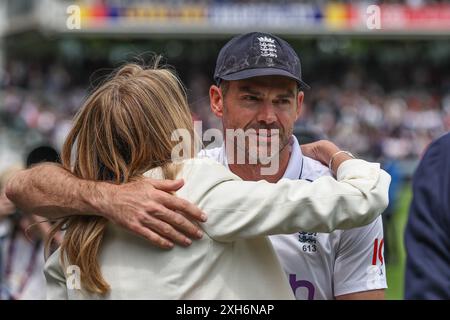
258, 54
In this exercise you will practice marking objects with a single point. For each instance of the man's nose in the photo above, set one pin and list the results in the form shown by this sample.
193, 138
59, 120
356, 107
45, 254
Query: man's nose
266, 114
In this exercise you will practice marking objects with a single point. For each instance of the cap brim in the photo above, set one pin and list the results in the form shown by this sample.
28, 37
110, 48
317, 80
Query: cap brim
259, 72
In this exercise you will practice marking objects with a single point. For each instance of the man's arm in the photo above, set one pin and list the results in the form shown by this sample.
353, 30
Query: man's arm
242, 208
144, 207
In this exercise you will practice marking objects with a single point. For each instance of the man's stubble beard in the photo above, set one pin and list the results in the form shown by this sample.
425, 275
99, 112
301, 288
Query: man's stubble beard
283, 142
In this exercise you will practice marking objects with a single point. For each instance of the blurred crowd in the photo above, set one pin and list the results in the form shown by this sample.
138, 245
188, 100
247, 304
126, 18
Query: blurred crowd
37, 105
35, 108
378, 124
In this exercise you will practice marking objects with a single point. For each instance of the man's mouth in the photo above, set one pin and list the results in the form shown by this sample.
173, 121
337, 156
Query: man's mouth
267, 134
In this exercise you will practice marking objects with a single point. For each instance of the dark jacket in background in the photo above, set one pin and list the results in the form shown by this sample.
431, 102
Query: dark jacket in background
427, 236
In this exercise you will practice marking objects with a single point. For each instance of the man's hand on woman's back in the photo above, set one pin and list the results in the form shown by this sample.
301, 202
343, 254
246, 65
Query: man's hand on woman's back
147, 208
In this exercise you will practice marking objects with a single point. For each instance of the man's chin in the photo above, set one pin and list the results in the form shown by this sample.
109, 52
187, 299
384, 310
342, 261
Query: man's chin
262, 155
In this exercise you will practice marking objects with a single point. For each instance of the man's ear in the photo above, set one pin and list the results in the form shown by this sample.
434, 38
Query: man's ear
216, 100
300, 97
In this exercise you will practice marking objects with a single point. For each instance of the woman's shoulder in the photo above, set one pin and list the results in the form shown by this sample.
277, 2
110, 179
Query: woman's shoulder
202, 161
200, 175
198, 168
208, 167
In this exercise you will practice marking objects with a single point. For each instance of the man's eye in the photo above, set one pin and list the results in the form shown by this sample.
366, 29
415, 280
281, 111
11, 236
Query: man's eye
283, 101
251, 98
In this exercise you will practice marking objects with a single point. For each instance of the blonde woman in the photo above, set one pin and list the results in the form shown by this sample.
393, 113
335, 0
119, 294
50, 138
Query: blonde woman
123, 133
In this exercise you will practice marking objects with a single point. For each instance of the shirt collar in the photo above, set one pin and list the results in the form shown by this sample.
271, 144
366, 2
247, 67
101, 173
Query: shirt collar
295, 164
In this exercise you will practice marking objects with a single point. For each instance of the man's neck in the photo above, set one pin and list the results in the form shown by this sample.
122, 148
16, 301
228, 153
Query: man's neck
252, 172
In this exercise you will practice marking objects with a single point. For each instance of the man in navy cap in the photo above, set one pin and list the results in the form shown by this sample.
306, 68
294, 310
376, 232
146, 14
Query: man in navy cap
258, 88
427, 235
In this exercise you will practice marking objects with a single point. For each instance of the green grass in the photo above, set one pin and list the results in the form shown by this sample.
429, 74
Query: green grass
395, 266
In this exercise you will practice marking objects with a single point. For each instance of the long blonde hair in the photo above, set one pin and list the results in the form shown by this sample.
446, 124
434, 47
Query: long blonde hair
123, 129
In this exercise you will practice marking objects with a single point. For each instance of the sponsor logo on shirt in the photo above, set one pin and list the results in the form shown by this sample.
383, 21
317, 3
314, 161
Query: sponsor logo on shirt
296, 284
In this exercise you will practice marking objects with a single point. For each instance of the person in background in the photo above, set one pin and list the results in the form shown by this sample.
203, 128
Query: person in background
21, 252
427, 235
21, 240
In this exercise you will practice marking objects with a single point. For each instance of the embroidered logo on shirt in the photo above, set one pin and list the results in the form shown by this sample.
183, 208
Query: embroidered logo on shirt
307, 237
308, 241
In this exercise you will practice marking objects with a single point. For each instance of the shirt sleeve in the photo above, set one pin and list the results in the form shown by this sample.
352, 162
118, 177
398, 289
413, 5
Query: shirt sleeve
244, 209
359, 262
